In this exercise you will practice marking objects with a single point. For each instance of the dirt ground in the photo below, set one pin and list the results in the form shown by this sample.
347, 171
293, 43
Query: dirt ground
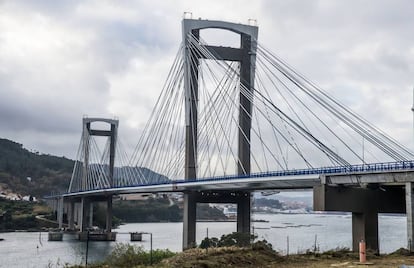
236, 257
382, 261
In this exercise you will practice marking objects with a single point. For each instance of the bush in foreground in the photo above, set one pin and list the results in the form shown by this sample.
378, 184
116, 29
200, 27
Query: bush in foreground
229, 240
126, 255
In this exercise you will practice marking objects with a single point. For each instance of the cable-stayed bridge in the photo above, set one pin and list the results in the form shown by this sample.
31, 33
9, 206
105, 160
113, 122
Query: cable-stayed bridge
232, 120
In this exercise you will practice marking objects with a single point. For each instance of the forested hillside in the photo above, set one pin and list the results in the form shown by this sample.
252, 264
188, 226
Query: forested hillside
32, 173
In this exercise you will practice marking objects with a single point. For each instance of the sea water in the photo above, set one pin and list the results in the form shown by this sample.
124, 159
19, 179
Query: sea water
288, 233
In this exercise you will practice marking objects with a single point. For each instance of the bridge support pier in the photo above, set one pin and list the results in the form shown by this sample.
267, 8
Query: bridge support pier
409, 201
365, 203
85, 214
71, 215
109, 214
60, 208
243, 213
242, 199
365, 227
189, 220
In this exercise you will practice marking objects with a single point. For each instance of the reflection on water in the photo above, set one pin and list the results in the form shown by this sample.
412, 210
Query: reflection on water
23, 249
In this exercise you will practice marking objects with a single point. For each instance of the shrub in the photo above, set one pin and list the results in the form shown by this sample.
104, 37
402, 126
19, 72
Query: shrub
126, 255
209, 242
236, 239
262, 245
229, 240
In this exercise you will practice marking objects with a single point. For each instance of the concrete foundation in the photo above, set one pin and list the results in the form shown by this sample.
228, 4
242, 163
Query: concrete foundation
55, 236
92, 236
136, 236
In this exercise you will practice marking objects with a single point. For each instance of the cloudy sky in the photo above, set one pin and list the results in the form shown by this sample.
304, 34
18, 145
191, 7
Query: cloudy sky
61, 60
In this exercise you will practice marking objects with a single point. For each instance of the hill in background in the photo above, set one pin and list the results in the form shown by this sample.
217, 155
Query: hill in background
32, 173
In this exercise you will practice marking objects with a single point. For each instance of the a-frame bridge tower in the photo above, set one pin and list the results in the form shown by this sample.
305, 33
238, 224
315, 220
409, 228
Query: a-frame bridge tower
246, 56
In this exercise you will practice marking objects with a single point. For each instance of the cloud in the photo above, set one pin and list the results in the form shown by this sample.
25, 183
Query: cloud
60, 60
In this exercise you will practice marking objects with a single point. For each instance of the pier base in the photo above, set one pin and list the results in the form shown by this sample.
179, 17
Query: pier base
55, 236
96, 236
136, 236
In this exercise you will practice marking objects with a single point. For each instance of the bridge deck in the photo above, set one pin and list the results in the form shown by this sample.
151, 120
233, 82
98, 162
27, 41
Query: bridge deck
384, 173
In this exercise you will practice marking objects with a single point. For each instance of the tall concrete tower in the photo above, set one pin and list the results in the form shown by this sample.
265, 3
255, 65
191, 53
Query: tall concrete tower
246, 56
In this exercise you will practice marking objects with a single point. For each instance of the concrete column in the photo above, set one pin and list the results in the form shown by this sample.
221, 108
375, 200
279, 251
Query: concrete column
78, 213
191, 140
245, 123
245, 107
71, 215
90, 218
365, 227
409, 201
243, 213
60, 212
84, 207
189, 220
109, 214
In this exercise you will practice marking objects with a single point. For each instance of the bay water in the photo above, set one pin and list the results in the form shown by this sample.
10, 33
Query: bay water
288, 233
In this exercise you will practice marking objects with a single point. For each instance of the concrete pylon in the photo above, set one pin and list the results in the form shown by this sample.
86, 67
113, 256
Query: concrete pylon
84, 214
86, 204
246, 55
60, 208
71, 215
409, 201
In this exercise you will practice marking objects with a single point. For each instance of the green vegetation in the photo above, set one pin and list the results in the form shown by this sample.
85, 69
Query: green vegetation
205, 212
160, 209
223, 257
126, 255
229, 240
21, 215
151, 210
47, 173
259, 254
30, 173
265, 202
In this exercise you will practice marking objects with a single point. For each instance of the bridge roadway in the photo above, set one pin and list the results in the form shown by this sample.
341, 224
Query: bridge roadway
364, 190
390, 173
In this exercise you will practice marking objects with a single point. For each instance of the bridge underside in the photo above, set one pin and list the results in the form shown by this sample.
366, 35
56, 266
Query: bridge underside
366, 195
80, 212
241, 198
365, 204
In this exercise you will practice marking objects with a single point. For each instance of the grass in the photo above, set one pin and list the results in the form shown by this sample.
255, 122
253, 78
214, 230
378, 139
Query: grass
257, 255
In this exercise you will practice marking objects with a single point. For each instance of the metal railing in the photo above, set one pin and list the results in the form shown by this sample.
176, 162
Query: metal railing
351, 169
